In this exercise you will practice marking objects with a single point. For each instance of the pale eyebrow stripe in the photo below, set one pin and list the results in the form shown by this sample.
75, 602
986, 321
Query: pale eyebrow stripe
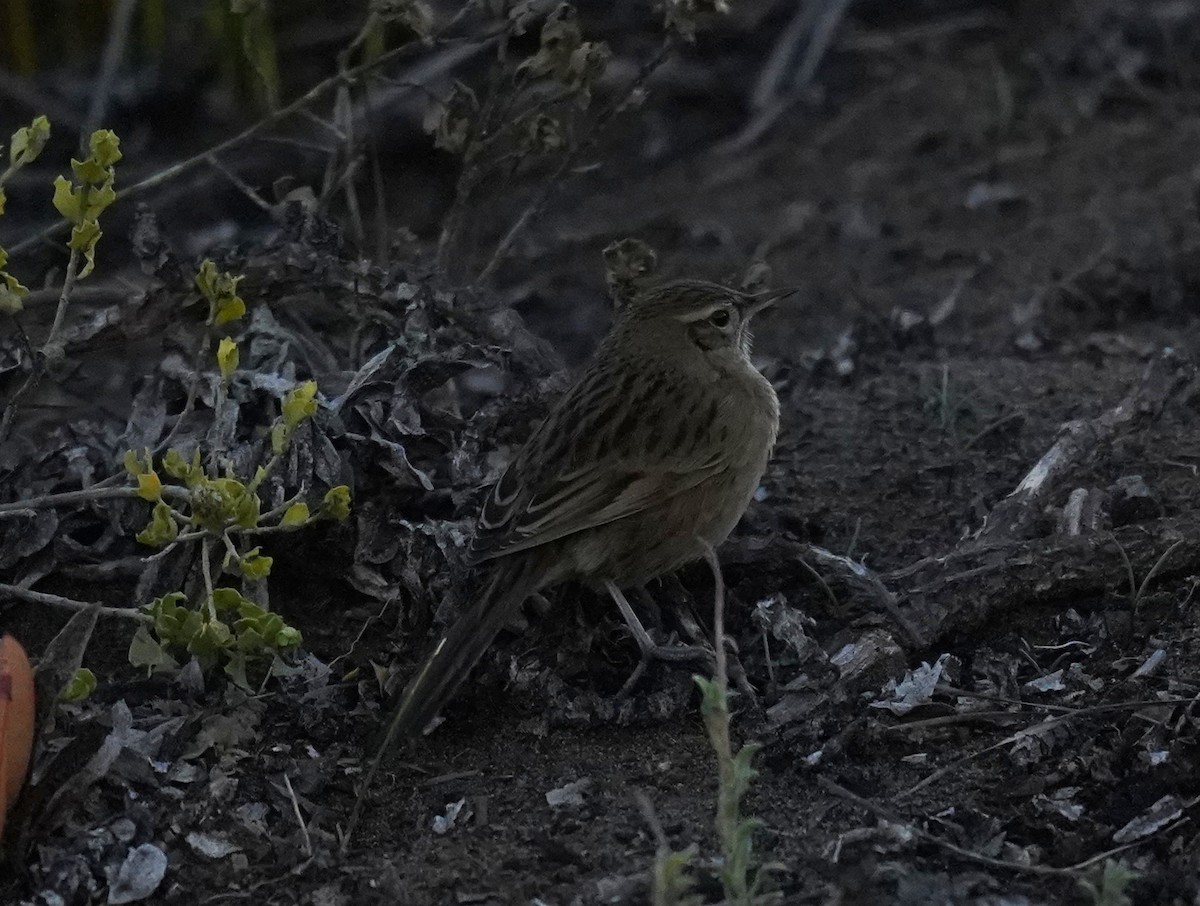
689, 317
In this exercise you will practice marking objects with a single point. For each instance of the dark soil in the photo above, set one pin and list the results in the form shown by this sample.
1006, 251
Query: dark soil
1046, 189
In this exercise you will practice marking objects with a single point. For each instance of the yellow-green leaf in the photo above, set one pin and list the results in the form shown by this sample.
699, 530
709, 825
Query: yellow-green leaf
28, 142
84, 238
146, 651
295, 516
226, 598
190, 472
81, 685
99, 198
89, 172
84, 235
167, 610
106, 147
206, 279
247, 510
161, 530
235, 668
300, 403
254, 565
149, 486
229, 310
212, 638
67, 200
280, 435
336, 504
220, 289
260, 475
227, 357
138, 466
12, 294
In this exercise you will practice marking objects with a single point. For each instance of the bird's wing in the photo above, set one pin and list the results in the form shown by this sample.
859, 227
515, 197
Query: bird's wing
526, 509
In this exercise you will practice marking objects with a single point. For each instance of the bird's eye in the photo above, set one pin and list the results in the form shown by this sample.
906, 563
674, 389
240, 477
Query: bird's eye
719, 318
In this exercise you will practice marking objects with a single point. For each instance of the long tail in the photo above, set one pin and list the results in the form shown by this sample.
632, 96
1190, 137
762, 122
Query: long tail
448, 665
460, 649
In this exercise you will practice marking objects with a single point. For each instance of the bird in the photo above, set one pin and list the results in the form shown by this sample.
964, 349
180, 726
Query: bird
643, 465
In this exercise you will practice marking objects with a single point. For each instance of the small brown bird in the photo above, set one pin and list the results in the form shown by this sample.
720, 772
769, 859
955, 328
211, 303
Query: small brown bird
649, 459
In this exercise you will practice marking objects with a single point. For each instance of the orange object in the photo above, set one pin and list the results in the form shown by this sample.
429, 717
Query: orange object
16, 721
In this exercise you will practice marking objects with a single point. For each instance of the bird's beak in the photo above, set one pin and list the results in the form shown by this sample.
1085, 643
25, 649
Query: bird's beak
753, 303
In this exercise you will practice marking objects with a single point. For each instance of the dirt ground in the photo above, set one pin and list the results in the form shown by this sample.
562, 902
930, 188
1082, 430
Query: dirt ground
994, 230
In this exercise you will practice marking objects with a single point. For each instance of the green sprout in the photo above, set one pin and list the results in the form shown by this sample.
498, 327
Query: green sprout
220, 291
740, 877
671, 883
1108, 886
26, 144
223, 513
734, 776
83, 199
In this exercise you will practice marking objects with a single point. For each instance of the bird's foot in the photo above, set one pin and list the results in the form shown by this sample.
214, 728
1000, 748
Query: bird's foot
737, 673
652, 651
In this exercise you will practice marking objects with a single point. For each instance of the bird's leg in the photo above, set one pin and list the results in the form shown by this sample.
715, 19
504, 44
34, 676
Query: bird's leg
649, 606
650, 649
691, 626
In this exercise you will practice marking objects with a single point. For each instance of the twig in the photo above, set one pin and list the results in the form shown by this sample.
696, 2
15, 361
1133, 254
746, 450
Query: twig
854, 538
82, 295
64, 298
11, 407
818, 21
1047, 871
867, 41
646, 807
382, 230
504, 246
1042, 871
240, 184
1154, 570
87, 495
37, 367
473, 170
114, 52
210, 605
190, 403
836, 607
947, 689
362, 631
1012, 516
860, 576
451, 777
1040, 727
49, 600
312, 95
1116, 850
992, 426
1000, 547
822, 34
773, 74
722, 670
287, 782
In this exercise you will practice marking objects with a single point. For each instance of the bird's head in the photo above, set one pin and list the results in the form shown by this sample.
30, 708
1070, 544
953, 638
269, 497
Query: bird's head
707, 315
